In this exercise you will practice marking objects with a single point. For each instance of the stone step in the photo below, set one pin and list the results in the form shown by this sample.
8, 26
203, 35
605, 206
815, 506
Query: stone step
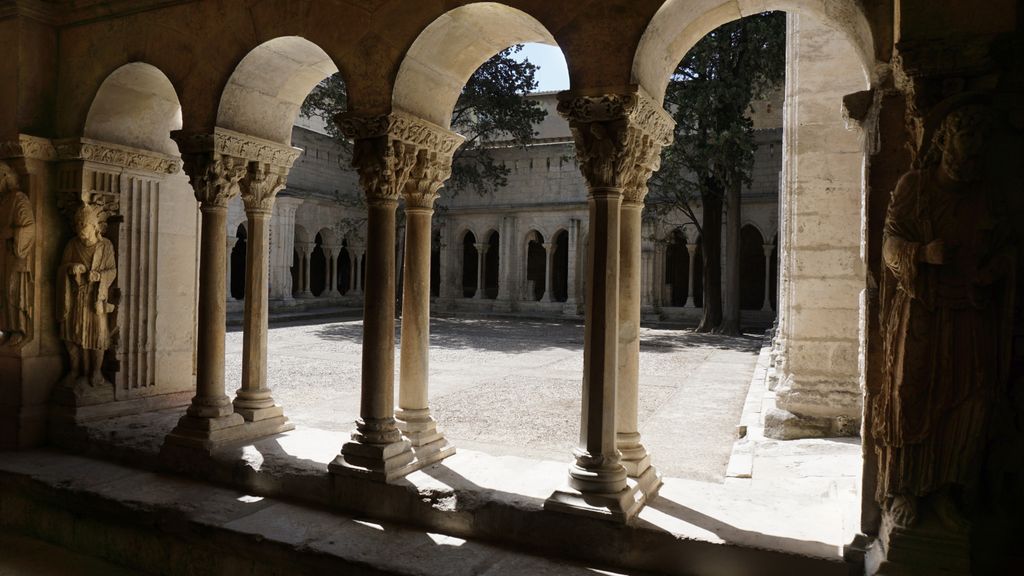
60, 509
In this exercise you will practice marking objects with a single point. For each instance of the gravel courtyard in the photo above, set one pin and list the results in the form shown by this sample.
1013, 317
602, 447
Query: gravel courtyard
512, 386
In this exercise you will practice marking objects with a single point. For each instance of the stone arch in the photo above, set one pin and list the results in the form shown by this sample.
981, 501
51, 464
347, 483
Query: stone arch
535, 265
343, 261
492, 265
319, 267
679, 24
677, 267
137, 106
435, 263
264, 93
451, 48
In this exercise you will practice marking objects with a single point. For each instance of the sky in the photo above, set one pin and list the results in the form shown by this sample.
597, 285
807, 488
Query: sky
553, 73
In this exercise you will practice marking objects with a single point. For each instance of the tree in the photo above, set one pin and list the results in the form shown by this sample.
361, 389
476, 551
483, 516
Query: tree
711, 159
492, 107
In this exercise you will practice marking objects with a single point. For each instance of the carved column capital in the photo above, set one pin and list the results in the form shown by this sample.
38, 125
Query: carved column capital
260, 185
619, 137
214, 178
398, 153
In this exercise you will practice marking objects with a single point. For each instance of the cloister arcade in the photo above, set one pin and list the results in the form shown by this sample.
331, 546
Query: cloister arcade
179, 133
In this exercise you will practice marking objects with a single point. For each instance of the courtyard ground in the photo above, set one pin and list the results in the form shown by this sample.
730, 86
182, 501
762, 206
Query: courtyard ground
512, 386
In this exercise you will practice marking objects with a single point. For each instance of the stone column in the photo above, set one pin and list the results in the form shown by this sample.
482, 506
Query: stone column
353, 276
481, 264
615, 134
386, 151
229, 245
253, 402
767, 306
549, 270
691, 249
571, 283
210, 420
282, 248
413, 416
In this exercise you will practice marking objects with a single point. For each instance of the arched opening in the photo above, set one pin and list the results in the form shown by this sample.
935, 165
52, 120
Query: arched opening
296, 271
773, 274
560, 277
470, 266
435, 264
344, 268
698, 274
491, 263
677, 268
318, 266
536, 266
752, 269
238, 264
154, 229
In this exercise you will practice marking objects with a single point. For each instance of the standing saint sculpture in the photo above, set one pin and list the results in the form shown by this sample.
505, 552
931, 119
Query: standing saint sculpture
85, 275
17, 236
943, 324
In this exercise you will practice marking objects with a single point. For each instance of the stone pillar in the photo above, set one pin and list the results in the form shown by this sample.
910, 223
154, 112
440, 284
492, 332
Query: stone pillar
818, 393
481, 264
767, 306
253, 402
413, 416
282, 248
572, 301
618, 141
691, 249
386, 150
353, 276
549, 271
210, 420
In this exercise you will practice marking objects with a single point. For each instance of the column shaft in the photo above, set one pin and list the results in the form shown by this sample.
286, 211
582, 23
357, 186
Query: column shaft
254, 396
691, 261
210, 400
549, 272
634, 455
767, 306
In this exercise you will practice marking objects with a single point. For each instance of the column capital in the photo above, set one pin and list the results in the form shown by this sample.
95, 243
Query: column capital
767, 248
481, 248
214, 178
619, 137
548, 246
691, 248
260, 185
392, 149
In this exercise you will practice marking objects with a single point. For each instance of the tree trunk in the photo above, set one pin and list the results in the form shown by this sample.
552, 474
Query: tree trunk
711, 248
731, 316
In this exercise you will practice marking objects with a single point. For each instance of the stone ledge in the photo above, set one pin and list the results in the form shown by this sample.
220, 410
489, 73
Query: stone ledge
471, 495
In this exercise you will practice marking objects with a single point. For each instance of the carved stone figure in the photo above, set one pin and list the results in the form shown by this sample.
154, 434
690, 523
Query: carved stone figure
944, 324
86, 273
17, 236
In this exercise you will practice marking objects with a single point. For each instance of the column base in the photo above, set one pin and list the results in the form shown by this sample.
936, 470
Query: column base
259, 414
622, 506
206, 435
781, 424
375, 462
924, 549
571, 308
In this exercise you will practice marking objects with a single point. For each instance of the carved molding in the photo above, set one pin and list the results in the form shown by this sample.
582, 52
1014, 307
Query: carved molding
396, 153
86, 149
230, 143
619, 138
260, 185
31, 147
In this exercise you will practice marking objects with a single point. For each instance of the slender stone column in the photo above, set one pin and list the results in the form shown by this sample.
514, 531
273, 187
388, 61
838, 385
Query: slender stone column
386, 151
549, 271
353, 275
414, 419
767, 306
253, 401
228, 246
571, 283
481, 263
691, 261
618, 142
210, 419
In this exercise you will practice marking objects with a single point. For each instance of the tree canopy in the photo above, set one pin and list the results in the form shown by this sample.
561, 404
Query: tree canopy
491, 108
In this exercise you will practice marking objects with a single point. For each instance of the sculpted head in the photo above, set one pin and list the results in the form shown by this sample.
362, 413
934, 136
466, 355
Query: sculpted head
961, 138
87, 224
8, 178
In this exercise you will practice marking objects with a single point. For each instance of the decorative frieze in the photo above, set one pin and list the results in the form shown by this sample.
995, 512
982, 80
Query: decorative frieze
31, 147
225, 142
89, 150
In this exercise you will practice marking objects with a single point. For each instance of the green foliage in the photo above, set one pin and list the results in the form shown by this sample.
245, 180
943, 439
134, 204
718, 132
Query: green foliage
491, 108
709, 96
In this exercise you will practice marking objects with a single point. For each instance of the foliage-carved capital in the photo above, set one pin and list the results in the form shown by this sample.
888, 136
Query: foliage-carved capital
214, 178
260, 185
619, 137
426, 178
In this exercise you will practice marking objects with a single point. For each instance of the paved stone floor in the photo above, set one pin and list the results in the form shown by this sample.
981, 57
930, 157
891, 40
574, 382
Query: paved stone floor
512, 386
